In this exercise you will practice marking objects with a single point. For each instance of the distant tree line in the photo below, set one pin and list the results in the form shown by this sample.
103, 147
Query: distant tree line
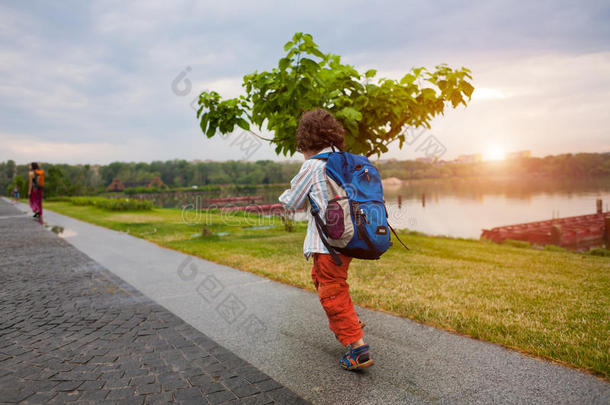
60, 179
580, 165
64, 179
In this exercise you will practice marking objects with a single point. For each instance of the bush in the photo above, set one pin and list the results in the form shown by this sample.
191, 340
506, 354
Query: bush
153, 190
289, 222
21, 185
58, 199
517, 243
553, 248
113, 204
141, 190
600, 252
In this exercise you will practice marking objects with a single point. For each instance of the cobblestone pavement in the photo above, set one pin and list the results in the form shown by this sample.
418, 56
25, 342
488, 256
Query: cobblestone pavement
70, 331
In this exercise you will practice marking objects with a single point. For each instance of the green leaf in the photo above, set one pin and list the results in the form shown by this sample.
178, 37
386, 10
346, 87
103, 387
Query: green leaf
211, 130
284, 63
203, 123
407, 79
456, 98
318, 53
242, 123
370, 73
467, 88
309, 64
288, 45
308, 39
351, 114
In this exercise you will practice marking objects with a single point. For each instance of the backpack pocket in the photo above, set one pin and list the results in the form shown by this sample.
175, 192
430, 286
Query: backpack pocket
335, 221
338, 220
366, 183
373, 234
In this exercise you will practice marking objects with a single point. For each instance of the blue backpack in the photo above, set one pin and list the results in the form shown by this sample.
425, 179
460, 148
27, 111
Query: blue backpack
356, 220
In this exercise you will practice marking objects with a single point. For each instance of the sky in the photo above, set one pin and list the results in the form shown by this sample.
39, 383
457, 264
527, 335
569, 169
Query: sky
103, 81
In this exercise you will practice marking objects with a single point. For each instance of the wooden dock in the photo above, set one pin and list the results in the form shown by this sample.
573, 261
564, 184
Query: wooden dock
261, 209
225, 201
579, 232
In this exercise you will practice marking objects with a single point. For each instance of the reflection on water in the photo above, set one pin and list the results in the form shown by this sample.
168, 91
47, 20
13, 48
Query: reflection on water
460, 208
463, 208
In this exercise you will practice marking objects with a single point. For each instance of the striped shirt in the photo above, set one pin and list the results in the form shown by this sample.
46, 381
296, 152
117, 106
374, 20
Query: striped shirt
311, 180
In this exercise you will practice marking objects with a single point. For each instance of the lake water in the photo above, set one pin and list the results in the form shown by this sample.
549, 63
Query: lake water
464, 208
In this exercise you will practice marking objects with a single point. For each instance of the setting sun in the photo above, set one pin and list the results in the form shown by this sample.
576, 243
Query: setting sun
494, 152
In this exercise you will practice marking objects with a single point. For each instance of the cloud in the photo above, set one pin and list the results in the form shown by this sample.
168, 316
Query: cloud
100, 73
549, 104
25, 149
484, 93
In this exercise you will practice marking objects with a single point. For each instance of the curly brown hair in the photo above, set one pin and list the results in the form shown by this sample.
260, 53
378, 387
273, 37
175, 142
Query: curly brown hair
318, 129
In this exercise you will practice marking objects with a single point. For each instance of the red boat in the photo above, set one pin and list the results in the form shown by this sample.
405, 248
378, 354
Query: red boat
577, 232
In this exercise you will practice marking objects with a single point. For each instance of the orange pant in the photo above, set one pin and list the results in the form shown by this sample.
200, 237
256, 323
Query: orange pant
331, 282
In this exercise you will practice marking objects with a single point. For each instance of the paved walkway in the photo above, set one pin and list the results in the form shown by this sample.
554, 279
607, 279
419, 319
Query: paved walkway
71, 331
282, 331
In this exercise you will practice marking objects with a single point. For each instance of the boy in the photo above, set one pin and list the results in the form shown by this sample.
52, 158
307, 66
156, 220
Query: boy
317, 132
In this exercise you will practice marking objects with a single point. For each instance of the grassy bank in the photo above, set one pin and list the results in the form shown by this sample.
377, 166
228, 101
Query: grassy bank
550, 304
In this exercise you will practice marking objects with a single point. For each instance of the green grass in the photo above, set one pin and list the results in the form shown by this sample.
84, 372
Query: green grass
113, 204
551, 304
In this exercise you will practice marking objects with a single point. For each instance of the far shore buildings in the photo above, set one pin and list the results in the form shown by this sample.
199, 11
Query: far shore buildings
473, 158
156, 182
116, 185
521, 154
427, 159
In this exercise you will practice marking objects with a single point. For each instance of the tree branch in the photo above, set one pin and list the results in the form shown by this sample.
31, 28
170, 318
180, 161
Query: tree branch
389, 136
260, 137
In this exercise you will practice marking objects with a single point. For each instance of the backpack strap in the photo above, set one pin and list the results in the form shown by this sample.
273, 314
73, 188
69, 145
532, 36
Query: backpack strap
360, 225
315, 212
395, 234
392, 229
321, 156
322, 232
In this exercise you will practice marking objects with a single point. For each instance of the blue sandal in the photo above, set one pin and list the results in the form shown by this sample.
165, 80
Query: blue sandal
357, 359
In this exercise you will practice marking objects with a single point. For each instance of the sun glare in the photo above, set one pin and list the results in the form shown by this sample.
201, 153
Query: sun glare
495, 152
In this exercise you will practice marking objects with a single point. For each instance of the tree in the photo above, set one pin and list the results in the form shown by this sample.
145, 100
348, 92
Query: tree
10, 169
21, 184
56, 183
373, 114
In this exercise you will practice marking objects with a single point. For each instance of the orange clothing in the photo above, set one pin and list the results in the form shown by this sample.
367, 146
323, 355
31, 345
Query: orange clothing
331, 283
40, 174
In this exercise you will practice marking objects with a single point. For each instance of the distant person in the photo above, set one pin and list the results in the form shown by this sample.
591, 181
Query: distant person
35, 187
318, 131
16, 192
